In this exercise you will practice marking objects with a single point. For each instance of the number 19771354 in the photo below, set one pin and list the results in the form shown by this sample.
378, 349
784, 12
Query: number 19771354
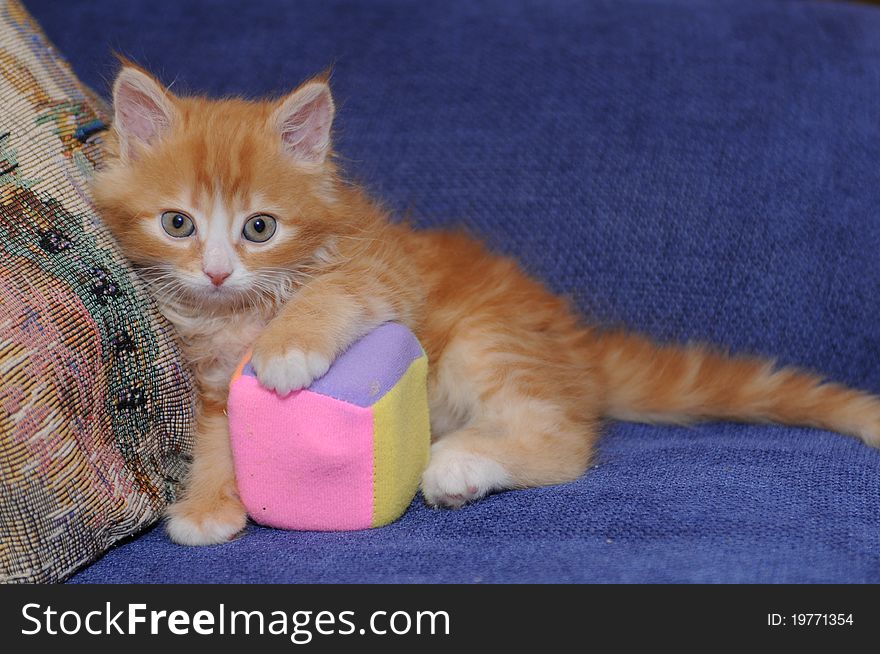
810, 619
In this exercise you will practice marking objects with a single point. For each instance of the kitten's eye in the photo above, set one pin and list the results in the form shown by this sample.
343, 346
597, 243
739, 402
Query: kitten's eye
177, 224
259, 229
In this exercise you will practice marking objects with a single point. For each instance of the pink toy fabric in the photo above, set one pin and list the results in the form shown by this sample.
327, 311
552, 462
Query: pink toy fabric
348, 452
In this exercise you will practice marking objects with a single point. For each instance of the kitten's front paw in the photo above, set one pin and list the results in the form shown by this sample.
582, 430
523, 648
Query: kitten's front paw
456, 476
290, 371
200, 522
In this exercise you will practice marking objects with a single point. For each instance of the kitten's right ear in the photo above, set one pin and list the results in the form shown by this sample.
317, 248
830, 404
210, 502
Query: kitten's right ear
143, 110
303, 120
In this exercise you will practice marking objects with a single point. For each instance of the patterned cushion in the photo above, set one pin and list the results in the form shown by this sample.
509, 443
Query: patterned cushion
95, 407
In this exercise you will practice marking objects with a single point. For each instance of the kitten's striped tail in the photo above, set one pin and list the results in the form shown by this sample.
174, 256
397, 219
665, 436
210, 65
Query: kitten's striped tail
645, 382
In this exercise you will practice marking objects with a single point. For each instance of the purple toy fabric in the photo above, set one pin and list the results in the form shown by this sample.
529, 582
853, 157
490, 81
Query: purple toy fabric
368, 369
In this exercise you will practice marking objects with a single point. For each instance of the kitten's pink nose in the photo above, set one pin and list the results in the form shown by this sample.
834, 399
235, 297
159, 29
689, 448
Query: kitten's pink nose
217, 278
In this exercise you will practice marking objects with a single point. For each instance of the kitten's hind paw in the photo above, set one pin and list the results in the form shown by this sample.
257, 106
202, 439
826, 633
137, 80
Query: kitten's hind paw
193, 522
456, 476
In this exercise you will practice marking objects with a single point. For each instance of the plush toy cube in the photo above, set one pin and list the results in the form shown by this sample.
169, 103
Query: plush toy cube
346, 453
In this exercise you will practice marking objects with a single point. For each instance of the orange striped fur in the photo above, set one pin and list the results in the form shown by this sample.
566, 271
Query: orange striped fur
518, 384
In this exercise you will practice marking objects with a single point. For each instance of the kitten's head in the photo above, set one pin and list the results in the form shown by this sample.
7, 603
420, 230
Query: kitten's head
222, 202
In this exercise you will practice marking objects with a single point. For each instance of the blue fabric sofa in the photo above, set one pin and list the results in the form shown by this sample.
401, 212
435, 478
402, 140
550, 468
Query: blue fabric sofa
698, 170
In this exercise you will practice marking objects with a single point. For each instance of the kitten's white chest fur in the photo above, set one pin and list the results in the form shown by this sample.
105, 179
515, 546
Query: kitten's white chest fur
214, 345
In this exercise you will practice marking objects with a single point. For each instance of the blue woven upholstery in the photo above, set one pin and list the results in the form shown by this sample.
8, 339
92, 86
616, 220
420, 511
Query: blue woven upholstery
698, 170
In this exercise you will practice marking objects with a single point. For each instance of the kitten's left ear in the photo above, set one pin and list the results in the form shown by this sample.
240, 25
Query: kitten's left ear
303, 119
143, 109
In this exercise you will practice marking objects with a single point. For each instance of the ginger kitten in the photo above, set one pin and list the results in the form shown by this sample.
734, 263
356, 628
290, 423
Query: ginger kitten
237, 216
